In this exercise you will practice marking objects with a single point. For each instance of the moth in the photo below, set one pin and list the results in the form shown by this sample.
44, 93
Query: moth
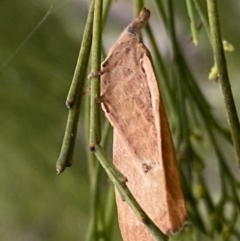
142, 145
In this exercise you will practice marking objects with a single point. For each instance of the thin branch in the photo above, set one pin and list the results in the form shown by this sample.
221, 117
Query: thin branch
193, 27
95, 135
74, 97
223, 75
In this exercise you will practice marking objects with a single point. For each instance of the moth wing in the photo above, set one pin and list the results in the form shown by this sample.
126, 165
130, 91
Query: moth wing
175, 198
143, 149
129, 106
130, 226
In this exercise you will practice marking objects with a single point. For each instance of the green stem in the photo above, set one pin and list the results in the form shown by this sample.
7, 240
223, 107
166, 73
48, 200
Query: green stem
193, 212
91, 162
95, 135
223, 75
178, 77
80, 70
92, 231
109, 212
96, 219
107, 4
74, 97
203, 16
161, 11
138, 6
204, 108
192, 22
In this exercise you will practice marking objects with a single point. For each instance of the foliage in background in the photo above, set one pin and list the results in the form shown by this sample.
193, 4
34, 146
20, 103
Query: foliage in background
38, 206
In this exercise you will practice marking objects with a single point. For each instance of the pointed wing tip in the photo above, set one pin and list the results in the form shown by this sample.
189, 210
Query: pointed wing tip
177, 228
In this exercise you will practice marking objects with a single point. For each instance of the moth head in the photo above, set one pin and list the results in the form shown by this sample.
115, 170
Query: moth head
136, 25
143, 16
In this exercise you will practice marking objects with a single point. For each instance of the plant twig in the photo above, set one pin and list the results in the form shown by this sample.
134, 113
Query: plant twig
220, 60
160, 8
95, 135
74, 97
92, 227
192, 22
203, 16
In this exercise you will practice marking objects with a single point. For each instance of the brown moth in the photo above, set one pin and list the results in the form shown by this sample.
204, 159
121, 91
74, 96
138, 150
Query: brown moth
143, 149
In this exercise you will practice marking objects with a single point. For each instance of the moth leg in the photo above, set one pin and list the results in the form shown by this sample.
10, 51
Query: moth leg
86, 91
94, 74
99, 100
102, 100
105, 107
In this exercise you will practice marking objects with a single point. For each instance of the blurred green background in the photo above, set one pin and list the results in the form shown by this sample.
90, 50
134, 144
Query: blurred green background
35, 76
